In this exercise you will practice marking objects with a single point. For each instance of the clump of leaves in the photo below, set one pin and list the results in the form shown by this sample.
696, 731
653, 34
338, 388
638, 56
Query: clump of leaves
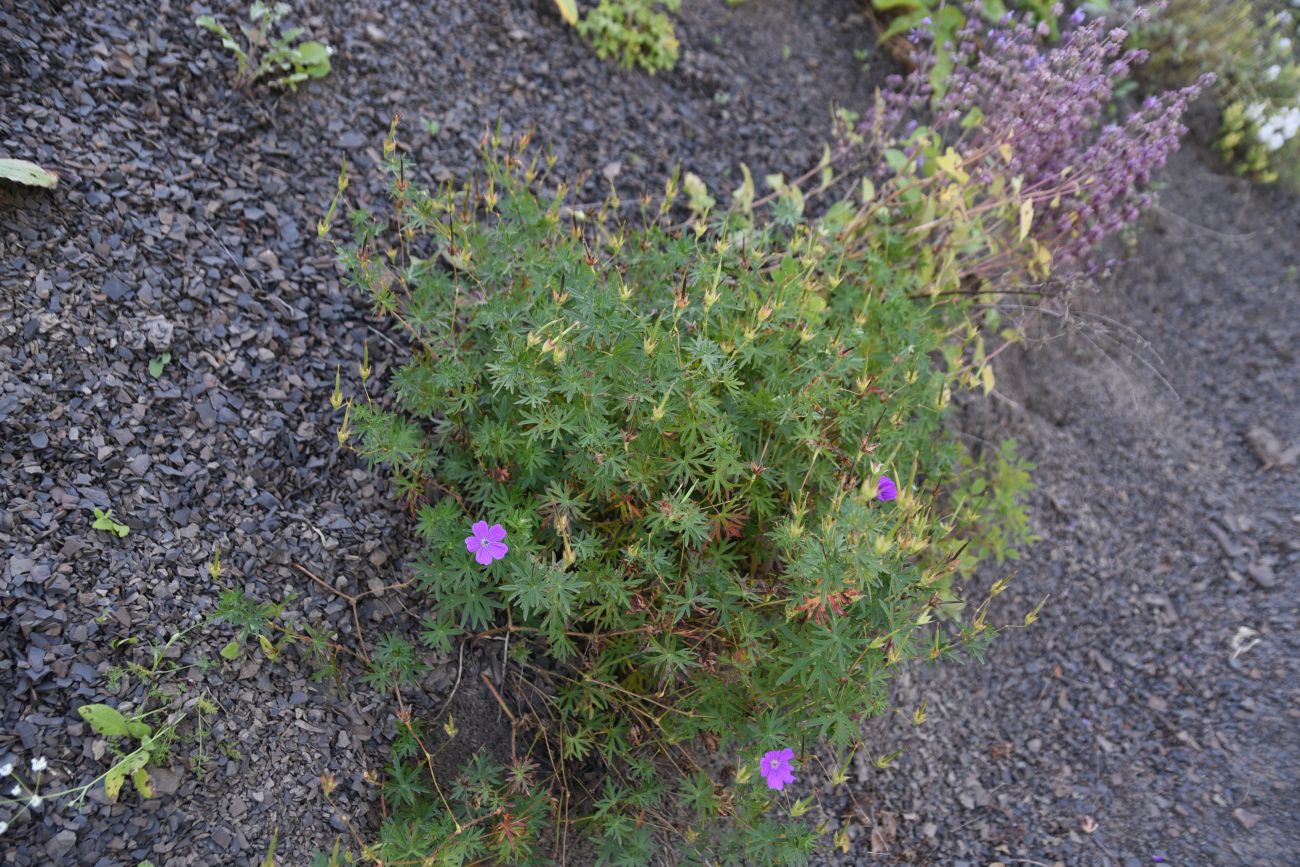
633, 32
683, 433
269, 50
263, 621
104, 521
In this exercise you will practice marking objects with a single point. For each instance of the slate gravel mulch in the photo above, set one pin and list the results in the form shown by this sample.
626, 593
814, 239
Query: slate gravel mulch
184, 223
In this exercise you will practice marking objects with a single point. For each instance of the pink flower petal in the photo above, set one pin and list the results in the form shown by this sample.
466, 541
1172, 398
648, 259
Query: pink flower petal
483, 557
479, 529
496, 533
473, 543
497, 550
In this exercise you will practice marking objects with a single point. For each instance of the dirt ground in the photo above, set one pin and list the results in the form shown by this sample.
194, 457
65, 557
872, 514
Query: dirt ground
184, 223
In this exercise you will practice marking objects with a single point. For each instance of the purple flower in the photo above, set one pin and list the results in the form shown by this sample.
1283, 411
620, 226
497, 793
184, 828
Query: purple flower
487, 543
1078, 17
886, 489
776, 768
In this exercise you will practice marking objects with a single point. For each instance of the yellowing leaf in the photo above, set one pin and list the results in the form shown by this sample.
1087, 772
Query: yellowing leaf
142, 784
1026, 217
950, 164
986, 378
743, 198
26, 173
113, 783
801, 806
1006, 152
568, 10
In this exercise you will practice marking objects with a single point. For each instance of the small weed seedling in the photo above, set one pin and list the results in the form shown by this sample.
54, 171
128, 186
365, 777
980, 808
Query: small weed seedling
270, 51
104, 521
158, 363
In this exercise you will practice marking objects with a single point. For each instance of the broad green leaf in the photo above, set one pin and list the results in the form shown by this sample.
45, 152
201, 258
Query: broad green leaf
568, 10
230, 651
315, 57
106, 720
903, 24
138, 730
157, 364
27, 173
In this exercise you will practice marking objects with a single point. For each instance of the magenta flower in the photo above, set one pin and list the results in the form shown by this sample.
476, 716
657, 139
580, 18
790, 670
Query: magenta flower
886, 489
487, 543
776, 768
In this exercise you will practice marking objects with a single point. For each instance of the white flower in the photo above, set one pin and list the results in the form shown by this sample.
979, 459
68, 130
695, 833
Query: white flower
39, 764
1273, 72
6, 769
4, 826
1284, 44
16, 791
1255, 112
35, 802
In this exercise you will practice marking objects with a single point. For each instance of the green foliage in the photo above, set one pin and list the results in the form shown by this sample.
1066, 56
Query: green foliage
158, 363
1250, 49
633, 32
992, 493
26, 173
269, 50
104, 521
137, 739
262, 621
682, 429
150, 747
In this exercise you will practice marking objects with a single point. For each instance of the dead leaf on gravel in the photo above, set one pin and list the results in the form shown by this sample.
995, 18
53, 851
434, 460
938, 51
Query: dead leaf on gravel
1247, 819
1088, 824
1243, 641
1268, 448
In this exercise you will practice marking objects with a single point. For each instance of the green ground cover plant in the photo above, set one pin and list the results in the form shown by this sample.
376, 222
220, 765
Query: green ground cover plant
270, 51
700, 467
632, 32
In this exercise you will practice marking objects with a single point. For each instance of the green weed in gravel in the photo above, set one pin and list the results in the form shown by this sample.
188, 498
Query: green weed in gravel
633, 32
270, 51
